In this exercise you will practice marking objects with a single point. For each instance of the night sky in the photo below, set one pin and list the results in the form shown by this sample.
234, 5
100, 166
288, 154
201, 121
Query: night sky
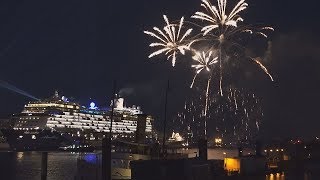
79, 47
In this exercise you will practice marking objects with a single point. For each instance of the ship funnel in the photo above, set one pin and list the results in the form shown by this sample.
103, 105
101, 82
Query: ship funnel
119, 103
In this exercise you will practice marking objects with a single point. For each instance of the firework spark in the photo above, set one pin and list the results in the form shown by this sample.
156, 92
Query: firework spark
223, 27
218, 18
236, 116
171, 40
225, 33
221, 30
263, 68
205, 62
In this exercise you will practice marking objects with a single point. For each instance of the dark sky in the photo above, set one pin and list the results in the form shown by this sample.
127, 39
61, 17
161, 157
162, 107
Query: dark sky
79, 47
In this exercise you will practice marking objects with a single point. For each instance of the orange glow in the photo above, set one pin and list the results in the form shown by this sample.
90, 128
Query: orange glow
232, 165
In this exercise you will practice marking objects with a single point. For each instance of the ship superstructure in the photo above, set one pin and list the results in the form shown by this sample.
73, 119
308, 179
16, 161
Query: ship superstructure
79, 123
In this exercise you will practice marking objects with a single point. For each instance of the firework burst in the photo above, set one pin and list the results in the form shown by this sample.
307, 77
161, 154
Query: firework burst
223, 27
171, 40
218, 18
222, 33
205, 62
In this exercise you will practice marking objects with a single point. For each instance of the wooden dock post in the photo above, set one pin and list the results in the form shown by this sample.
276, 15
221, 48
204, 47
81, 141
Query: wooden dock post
44, 165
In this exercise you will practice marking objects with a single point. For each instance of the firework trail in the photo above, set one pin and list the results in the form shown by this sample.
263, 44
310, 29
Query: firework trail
223, 28
171, 41
223, 34
242, 111
263, 68
236, 116
220, 31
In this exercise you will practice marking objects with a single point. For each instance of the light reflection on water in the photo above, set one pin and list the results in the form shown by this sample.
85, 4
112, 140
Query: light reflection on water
19, 156
292, 176
27, 165
63, 166
276, 176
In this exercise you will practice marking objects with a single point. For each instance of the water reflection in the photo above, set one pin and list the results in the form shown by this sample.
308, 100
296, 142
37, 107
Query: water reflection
27, 165
292, 176
63, 166
277, 176
19, 156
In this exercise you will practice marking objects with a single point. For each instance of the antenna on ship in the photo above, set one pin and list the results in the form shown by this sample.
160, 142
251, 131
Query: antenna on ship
56, 93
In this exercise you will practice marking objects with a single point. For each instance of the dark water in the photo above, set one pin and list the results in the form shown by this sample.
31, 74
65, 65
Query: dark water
63, 166
27, 166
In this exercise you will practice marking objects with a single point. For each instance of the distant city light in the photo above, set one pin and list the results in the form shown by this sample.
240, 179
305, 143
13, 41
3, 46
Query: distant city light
218, 141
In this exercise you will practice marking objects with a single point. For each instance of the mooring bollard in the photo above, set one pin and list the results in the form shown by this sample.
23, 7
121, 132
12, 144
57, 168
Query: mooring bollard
44, 165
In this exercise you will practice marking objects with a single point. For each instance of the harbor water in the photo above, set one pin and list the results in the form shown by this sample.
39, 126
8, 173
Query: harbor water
63, 166
27, 165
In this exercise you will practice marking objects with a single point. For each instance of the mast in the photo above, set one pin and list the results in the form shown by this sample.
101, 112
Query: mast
165, 121
107, 144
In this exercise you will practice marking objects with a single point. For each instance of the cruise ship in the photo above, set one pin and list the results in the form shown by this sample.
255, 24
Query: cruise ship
56, 123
